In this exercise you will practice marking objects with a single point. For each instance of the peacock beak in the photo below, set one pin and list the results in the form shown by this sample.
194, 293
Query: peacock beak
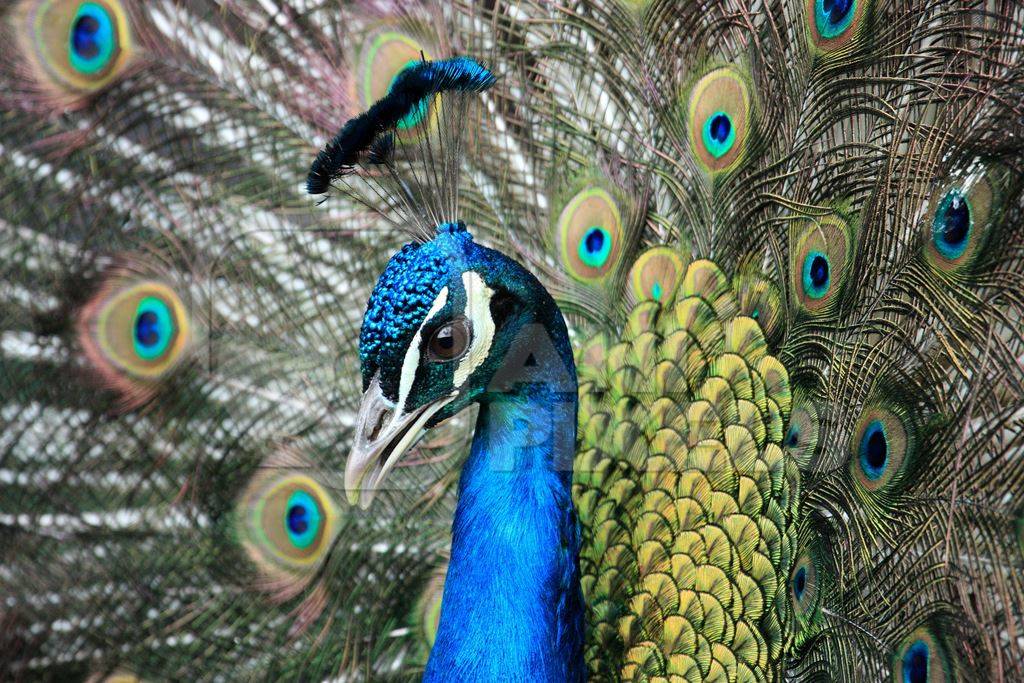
383, 435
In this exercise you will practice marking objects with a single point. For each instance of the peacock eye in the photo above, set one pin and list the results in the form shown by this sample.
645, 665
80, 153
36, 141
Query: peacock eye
153, 328
915, 662
835, 25
922, 658
92, 39
720, 119
960, 221
718, 134
821, 259
81, 47
874, 450
816, 276
449, 341
833, 17
952, 225
590, 232
139, 328
882, 447
804, 589
287, 521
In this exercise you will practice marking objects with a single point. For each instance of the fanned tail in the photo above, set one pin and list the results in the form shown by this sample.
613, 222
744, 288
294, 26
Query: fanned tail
701, 187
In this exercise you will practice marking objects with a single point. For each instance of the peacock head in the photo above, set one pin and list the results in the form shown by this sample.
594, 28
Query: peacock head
436, 336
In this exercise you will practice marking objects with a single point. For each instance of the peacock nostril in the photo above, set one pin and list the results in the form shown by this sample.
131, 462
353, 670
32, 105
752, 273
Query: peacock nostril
377, 426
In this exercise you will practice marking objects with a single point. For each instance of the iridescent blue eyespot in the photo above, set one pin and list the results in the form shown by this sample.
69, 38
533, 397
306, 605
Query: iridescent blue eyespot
874, 450
91, 39
154, 328
800, 583
719, 134
595, 246
302, 519
952, 225
793, 436
803, 589
833, 17
915, 663
816, 277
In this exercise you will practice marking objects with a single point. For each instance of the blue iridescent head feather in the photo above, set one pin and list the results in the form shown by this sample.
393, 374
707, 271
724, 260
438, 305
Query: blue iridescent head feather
433, 275
402, 297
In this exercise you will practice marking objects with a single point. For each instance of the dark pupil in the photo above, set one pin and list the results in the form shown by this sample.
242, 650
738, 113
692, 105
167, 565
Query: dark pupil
83, 37
800, 582
720, 127
819, 271
450, 341
956, 222
837, 9
915, 667
877, 449
793, 439
146, 329
298, 519
594, 241
444, 340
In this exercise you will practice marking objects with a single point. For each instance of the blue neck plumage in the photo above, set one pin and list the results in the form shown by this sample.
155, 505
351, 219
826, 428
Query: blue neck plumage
512, 608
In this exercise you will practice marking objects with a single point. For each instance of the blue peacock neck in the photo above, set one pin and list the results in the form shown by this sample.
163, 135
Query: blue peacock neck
512, 608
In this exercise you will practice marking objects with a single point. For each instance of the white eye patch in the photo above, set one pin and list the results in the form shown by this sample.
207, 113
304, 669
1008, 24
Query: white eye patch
412, 355
478, 312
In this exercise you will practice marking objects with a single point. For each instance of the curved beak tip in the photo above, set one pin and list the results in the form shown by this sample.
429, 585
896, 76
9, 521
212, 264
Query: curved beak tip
382, 435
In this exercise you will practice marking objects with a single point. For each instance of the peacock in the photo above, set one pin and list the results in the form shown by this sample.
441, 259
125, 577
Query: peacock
607, 340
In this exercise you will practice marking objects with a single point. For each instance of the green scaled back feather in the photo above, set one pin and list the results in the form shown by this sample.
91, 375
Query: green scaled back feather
797, 321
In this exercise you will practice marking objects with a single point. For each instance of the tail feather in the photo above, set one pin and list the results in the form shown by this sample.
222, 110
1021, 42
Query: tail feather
824, 167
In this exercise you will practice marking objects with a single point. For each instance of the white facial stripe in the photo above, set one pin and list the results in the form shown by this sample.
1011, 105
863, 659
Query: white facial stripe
478, 311
412, 354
